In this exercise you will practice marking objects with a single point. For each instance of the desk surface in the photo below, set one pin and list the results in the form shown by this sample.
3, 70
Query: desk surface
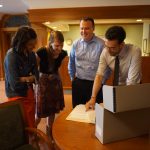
71, 135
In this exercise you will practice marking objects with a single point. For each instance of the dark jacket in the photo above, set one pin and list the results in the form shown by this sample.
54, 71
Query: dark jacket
17, 66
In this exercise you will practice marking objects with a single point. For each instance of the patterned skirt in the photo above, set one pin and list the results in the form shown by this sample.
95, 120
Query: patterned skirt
49, 95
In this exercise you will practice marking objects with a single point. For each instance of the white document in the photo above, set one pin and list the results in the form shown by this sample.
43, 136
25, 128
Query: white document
80, 114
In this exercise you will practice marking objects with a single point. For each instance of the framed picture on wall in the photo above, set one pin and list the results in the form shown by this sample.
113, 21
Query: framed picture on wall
69, 42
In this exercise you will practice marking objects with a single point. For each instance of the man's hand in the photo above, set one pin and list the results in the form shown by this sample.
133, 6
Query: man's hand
90, 104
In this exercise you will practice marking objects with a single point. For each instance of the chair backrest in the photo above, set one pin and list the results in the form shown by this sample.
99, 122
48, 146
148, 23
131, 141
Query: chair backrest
12, 133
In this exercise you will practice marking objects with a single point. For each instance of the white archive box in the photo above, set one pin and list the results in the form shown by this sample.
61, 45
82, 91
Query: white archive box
125, 98
111, 127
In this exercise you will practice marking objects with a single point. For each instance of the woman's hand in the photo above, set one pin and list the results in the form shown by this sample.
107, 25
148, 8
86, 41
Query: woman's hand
30, 79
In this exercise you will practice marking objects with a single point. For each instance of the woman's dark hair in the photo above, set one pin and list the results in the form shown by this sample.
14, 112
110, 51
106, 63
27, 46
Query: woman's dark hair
56, 35
21, 37
89, 19
116, 33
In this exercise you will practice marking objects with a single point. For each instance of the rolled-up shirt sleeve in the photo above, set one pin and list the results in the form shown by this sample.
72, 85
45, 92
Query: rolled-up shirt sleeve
134, 74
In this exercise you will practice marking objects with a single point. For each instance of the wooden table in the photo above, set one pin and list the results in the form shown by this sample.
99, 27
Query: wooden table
71, 135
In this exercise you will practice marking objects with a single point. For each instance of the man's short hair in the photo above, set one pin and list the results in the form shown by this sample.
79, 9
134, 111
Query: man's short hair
116, 33
88, 19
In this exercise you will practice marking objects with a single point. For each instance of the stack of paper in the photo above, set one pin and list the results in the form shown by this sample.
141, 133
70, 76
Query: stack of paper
80, 114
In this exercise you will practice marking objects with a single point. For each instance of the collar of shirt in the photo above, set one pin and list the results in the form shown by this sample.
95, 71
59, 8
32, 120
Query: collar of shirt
92, 40
123, 51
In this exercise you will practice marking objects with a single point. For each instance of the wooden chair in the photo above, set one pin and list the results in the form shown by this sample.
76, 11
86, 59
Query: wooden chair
14, 135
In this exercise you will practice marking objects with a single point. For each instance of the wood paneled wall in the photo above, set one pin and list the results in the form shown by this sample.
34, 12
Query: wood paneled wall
145, 69
42, 33
64, 74
111, 12
1, 67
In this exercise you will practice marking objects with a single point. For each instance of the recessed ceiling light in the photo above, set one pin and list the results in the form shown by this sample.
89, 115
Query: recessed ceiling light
54, 27
1, 5
47, 23
139, 20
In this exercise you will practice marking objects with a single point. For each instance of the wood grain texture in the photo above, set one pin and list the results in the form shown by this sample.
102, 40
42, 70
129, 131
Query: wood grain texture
64, 74
145, 69
107, 12
70, 135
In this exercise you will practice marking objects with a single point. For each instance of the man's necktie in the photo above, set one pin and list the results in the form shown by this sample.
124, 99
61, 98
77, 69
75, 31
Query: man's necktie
116, 72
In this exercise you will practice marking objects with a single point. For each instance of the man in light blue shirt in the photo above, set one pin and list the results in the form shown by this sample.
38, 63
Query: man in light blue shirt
83, 62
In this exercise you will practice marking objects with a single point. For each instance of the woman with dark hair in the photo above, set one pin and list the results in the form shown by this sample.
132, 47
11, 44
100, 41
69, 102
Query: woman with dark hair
50, 98
21, 71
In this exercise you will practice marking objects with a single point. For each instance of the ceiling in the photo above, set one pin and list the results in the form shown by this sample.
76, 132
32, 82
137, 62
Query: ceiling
22, 6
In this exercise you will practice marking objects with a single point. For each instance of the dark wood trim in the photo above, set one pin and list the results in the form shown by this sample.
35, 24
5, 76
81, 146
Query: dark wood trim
1, 63
4, 18
109, 12
0, 23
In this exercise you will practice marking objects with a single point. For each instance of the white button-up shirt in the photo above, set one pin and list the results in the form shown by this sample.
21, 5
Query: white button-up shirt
130, 64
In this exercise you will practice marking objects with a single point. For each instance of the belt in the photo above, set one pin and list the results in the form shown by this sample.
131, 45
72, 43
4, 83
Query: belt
84, 80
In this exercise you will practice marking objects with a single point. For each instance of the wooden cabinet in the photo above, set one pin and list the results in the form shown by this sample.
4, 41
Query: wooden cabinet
64, 74
145, 69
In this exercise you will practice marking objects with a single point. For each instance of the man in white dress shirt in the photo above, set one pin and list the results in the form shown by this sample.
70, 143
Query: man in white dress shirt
129, 61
